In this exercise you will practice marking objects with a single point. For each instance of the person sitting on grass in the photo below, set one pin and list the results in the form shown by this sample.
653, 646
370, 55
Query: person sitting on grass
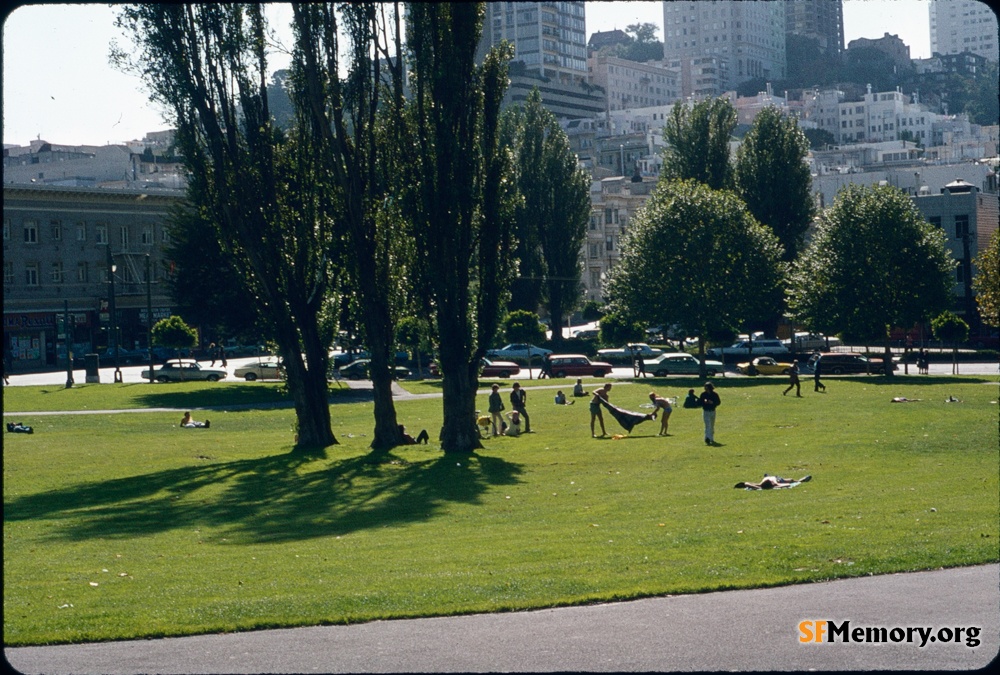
578, 389
189, 423
772, 482
691, 401
514, 428
422, 437
561, 399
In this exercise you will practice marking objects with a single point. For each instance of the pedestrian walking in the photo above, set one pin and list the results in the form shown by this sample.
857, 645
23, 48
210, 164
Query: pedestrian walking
817, 369
211, 352
709, 401
222, 356
496, 410
793, 381
519, 402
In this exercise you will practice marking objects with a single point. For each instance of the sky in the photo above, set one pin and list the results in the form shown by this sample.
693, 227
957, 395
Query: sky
58, 84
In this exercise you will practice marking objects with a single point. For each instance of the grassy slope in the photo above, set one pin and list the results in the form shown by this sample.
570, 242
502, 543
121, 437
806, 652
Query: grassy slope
188, 531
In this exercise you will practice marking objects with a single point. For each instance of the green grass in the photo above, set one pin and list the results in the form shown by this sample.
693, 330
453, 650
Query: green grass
195, 531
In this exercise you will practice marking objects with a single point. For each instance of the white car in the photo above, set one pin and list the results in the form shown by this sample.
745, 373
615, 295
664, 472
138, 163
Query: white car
630, 352
183, 370
807, 342
680, 363
518, 350
761, 346
262, 370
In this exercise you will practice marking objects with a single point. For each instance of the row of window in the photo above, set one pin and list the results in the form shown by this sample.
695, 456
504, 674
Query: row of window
100, 232
58, 274
961, 224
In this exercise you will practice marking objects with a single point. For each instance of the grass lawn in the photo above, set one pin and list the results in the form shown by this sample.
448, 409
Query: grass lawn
126, 526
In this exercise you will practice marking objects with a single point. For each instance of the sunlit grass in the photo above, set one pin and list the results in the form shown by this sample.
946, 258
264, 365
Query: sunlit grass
125, 526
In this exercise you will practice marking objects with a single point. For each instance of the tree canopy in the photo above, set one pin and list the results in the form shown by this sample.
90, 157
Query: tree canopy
987, 281
697, 140
695, 257
874, 263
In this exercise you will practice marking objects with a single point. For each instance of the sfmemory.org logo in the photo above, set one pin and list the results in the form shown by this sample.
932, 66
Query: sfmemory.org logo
830, 631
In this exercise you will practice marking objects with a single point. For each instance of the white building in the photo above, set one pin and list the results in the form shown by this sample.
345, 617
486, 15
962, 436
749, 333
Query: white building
631, 84
963, 26
747, 37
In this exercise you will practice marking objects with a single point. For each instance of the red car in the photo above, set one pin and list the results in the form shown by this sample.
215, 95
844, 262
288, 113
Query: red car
576, 365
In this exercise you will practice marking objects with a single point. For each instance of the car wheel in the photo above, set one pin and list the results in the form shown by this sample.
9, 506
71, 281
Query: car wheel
785, 371
560, 373
212, 378
250, 377
599, 373
711, 373
504, 374
837, 371
660, 373
161, 378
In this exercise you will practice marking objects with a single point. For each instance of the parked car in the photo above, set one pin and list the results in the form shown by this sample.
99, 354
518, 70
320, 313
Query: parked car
763, 346
126, 357
184, 370
359, 370
262, 370
848, 362
680, 363
340, 359
577, 365
629, 352
764, 365
489, 368
517, 350
807, 342
587, 334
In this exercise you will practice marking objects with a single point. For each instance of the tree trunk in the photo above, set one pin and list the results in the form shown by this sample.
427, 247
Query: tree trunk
382, 369
887, 356
312, 411
459, 434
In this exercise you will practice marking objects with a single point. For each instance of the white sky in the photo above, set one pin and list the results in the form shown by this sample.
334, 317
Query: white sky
59, 85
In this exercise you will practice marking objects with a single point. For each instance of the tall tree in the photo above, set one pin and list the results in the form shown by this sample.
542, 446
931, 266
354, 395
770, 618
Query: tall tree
697, 140
987, 281
262, 192
873, 264
354, 124
773, 178
459, 198
552, 213
696, 257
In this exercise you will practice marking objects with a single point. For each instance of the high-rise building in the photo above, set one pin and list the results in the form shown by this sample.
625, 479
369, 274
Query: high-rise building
549, 38
963, 26
822, 20
746, 37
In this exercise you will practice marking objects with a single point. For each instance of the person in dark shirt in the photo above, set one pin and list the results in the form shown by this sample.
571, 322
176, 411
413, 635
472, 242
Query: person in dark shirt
709, 402
422, 437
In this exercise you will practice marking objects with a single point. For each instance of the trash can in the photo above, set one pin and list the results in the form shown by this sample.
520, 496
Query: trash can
91, 363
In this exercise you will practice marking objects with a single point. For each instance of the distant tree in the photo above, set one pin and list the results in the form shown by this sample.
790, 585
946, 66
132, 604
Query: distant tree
773, 178
874, 263
262, 191
819, 138
523, 326
987, 281
413, 333
172, 332
983, 105
949, 327
592, 311
643, 33
618, 328
697, 140
696, 257
458, 197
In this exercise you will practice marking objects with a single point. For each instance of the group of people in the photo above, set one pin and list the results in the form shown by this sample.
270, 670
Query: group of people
796, 384
218, 353
515, 418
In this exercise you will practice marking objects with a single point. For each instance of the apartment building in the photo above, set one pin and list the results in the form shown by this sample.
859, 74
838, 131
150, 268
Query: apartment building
820, 20
630, 84
963, 26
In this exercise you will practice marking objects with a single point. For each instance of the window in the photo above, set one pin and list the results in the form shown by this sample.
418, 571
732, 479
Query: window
961, 226
594, 250
101, 234
960, 272
30, 232
123, 234
147, 235
56, 275
164, 236
607, 216
609, 243
81, 272
6, 229
8, 273
595, 278
55, 230
31, 274
81, 231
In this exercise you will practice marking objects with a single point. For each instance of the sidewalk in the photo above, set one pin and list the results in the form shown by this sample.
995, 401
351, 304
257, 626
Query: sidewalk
754, 630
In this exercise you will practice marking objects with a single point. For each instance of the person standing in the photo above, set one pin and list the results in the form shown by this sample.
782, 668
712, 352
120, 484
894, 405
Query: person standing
663, 407
212, 351
222, 356
519, 401
595, 408
496, 408
709, 402
793, 381
817, 370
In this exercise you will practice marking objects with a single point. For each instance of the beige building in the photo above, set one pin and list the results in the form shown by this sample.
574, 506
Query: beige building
630, 84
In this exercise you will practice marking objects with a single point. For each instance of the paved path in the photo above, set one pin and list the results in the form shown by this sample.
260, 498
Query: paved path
735, 630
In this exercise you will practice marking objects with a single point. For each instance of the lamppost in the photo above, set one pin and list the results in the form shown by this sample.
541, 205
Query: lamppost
113, 336
149, 318
622, 148
67, 328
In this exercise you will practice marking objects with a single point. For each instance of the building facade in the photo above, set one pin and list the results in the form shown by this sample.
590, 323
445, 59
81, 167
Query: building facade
630, 84
747, 38
56, 246
963, 26
820, 20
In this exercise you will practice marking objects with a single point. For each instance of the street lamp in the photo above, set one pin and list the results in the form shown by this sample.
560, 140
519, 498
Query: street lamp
149, 317
622, 148
113, 337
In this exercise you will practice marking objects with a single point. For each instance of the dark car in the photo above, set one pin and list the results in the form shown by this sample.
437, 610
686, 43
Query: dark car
490, 368
359, 370
576, 365
839, 363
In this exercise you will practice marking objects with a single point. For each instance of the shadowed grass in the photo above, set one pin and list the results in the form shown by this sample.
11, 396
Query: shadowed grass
125, 526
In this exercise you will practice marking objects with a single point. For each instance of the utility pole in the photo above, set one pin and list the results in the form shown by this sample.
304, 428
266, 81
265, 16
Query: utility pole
149, 317
67, 326
113, 337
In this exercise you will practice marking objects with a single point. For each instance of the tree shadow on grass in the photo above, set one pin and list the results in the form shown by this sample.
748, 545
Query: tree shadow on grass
278, 498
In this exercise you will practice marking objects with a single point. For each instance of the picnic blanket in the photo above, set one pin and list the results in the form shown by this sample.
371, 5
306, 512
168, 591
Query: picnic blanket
626, 418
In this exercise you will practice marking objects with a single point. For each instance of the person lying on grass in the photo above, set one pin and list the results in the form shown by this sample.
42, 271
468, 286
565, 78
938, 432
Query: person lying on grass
18, 428
189, 423
772, 482
422, 437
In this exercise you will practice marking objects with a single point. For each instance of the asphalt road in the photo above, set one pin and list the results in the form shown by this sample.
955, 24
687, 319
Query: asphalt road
735, 630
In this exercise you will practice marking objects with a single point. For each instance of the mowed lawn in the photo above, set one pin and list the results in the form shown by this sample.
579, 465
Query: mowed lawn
122, 526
